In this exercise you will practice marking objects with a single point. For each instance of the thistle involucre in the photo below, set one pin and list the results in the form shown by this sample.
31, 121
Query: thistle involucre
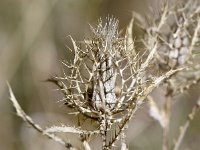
106, 81
103, 72
175, 51
174, 31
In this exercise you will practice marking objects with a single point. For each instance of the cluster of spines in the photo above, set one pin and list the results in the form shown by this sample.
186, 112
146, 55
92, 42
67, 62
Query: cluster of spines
107, 81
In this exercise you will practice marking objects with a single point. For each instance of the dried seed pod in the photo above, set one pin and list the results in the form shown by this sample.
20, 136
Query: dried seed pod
183, 51
102, 74
182, 59
177, 42
186, 41
173, 54
174, 35
175, 38
180, 46
172, 63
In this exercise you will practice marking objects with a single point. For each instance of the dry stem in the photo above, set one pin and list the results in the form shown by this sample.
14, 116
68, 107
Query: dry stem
27, 119
183, 129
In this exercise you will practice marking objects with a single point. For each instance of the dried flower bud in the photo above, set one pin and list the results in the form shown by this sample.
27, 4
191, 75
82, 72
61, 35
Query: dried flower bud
175, 35
106, 80
102, 74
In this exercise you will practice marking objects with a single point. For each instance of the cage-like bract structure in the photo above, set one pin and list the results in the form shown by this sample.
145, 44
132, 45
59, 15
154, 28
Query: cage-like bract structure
107, 79
176, 29
104, 73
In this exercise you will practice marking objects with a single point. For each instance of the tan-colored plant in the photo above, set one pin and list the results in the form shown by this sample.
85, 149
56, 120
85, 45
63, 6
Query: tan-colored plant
174, 31
107, 80
106, 83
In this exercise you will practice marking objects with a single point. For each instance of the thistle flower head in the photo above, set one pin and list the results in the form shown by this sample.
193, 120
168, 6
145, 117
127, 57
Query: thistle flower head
174, 30
102, 73
106, 81
106, 76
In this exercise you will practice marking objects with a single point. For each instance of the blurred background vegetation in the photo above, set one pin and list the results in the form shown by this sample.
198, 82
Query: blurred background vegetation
33, 38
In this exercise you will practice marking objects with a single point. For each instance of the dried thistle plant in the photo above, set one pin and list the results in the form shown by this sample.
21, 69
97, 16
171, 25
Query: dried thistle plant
108, 80
106, 84
175, 30
174, 33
